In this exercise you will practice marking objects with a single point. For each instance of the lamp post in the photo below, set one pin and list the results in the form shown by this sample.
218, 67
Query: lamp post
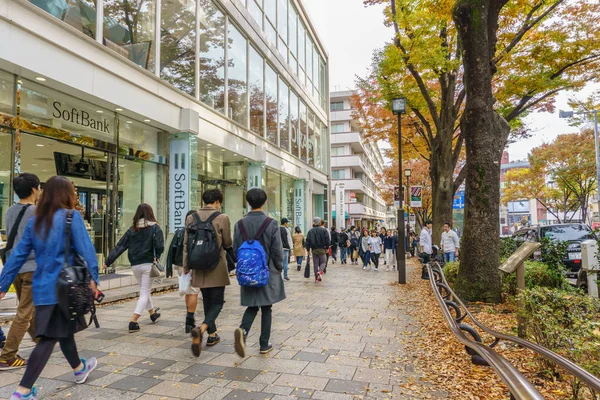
407, 173
570, 114
399, 108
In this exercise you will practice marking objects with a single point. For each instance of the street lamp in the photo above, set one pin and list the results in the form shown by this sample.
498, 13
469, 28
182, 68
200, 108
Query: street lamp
570, 114
399, 108
407, 173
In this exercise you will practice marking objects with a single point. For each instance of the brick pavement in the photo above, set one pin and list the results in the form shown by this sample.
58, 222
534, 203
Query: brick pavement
334, 340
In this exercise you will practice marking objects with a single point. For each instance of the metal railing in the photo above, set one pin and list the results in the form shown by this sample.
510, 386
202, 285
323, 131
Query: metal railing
519, 387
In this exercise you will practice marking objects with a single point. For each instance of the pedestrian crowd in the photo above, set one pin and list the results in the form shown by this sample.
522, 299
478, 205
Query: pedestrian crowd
51, 261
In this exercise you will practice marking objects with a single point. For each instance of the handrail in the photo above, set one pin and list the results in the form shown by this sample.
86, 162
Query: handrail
589, 379
517, 384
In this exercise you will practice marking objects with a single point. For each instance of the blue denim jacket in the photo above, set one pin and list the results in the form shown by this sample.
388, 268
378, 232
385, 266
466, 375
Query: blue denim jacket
49, 256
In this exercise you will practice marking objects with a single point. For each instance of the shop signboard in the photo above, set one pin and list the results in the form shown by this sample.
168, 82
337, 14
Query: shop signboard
416, 196
299, 193
179, 182
340, 205
459, 200
352, 197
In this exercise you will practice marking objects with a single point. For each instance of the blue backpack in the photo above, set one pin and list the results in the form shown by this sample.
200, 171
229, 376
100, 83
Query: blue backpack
252, 269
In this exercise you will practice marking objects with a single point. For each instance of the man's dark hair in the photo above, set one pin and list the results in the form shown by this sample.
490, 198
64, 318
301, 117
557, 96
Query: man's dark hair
256, 198
449, 224
212, 196
25, 183
427, 222
352, 227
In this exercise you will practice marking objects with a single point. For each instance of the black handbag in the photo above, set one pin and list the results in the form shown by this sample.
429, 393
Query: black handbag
307, 268
231, 259
73, 291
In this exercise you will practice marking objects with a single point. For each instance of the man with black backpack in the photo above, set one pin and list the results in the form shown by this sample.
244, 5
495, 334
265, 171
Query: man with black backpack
286, 240
27, 187
257, 242
207, 236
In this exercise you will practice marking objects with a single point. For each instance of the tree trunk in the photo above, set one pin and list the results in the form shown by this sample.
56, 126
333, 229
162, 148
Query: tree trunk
485, 135
441, 173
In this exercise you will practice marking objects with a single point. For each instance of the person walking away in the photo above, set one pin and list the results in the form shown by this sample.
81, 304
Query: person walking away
144, 241
414, 243
299, 246
264, 297
286, 239
375, 245
450, 244
426, 243
363, 251
317, 242
335, 238
382, 234
210, 279
45, 234
344, 242
328, 249
354, 245
175, 259
389, 247
27, 187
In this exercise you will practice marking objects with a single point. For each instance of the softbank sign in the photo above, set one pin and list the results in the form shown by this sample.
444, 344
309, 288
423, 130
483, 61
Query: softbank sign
179, 183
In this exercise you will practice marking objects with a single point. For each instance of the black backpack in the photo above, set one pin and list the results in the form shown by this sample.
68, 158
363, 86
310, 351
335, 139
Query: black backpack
203, 250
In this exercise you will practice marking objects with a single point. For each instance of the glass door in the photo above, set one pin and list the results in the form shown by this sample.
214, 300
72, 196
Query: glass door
5, 175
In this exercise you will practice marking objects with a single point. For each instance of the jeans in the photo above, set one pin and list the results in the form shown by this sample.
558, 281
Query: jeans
41, 354
286, 260
343, 254
212, 300
352, 248
375, 259
450, 256
390, 257
319, 262
142, 274
266, 318
367, 258
23, 321
299, 260
334, 251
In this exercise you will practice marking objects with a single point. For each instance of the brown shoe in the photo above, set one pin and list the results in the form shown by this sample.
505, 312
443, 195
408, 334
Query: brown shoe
196, 341
17, 362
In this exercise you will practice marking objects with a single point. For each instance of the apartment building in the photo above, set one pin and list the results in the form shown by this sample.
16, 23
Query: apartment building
355, 163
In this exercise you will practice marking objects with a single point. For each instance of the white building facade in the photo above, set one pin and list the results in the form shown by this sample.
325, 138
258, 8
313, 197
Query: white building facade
156, 101
355, 163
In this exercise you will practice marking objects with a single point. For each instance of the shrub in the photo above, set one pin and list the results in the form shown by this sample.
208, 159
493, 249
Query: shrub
566, 323
508, 245
537, 274
451, 272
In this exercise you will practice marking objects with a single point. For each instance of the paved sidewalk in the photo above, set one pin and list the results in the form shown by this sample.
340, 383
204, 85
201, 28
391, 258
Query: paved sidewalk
339, 339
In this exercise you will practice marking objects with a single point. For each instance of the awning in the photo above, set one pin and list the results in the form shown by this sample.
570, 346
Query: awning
345, 214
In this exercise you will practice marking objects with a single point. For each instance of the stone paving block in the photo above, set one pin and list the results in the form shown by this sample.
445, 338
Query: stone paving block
329, 371
95, 393
55, 372
280, 390
332, 396
154, 363
46, 387
250, 386
246, 395
218, 382
165, 376
239, 374
193, 379
303, 382
266, 377
346, 387
204, 370
134, 349
304, 356
179, 390
214, 393
153, 397
381, 376
226, 360
350, 361
135, 383
273, 364
8, 378
118, 360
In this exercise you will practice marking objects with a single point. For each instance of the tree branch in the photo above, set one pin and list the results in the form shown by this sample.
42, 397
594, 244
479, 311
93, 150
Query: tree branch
426, 124
460, 178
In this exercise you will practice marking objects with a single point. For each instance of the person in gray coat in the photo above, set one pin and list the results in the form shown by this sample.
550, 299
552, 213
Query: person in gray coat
274, 292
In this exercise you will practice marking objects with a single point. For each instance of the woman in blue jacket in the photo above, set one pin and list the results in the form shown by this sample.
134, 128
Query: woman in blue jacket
45, 234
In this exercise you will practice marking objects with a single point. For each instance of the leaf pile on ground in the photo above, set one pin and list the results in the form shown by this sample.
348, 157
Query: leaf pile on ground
441, 359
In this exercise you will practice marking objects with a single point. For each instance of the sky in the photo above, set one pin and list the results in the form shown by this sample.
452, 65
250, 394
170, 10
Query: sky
351, 33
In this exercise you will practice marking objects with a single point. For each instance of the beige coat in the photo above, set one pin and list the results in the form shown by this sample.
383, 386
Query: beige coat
218, 276
299, 250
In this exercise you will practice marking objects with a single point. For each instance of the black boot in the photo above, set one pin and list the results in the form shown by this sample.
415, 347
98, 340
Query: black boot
190, 323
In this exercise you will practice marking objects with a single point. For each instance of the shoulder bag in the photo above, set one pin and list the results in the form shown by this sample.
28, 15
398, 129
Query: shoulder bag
157, 271
10, 242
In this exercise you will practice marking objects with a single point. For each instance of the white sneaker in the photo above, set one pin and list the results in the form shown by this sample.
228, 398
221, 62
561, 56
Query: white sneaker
365, 268
387, 269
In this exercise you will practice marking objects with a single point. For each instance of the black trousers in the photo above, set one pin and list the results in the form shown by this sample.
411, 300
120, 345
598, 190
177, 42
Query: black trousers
375, 259
266, 319
213, 300
352, 248
41, 354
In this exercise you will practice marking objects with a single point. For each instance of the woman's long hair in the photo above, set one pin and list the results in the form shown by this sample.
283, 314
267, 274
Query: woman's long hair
145, 212
58, 193
298, 230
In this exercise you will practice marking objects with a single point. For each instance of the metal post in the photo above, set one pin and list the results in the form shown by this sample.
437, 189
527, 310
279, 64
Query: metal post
400, 248
408, 200
597, 158
521, 322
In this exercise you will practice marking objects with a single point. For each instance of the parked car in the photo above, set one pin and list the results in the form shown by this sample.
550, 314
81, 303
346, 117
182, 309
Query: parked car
572, 233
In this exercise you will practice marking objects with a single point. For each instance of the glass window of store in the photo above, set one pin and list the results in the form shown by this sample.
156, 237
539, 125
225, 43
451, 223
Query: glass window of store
212, 56
284, 116
178, 44
311, 138
271, 104
271, 20
257, 92
6, 148
322, 84
237, 78
129, 29
309, 63
303, 132
273, 194
81, 14
282, 28
294, 121
7, 94
256, 10
287, 199
325, 145
293, 36
315, 78
301, 52
318, 143
234, 202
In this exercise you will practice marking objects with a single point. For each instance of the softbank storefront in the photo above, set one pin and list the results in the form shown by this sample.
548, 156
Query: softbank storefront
76, 104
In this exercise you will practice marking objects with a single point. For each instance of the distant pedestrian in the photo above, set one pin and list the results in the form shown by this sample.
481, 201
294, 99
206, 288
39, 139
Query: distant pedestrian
175, 259
328, 250
344, 242
299, 246
274, 292
382, 234
450, 244
414, 243
317, 242
354, 236
144, 241
335, 238
287, 241
389, 245
210, 280
363, 250
46, 234
426, 242
375, 247
27, 187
